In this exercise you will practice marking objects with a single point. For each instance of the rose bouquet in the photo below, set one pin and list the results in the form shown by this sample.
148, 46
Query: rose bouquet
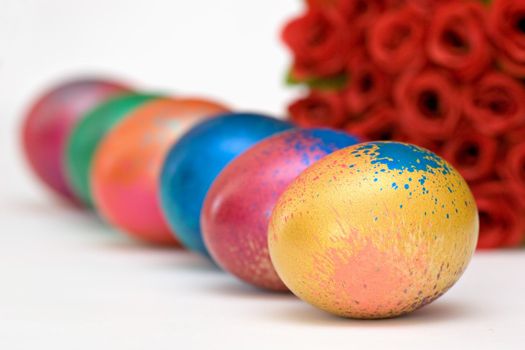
444, 74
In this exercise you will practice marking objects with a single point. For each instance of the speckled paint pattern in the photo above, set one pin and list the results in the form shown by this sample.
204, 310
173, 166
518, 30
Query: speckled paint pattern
374, 230
237, 208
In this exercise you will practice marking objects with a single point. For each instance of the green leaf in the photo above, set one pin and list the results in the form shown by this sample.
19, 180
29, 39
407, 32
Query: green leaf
336, 82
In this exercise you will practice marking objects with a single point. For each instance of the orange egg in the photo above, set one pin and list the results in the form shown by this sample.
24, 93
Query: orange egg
129, 159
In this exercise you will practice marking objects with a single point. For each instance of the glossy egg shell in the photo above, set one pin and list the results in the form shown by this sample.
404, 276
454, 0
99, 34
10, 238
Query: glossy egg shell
89, 132
374, 230
128, 161
237, 208
195, 161
51, 119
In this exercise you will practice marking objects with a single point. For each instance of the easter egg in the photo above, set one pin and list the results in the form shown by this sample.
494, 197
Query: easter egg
88, 133
195, 161
128, 161
237, 208
375, 230
50, 121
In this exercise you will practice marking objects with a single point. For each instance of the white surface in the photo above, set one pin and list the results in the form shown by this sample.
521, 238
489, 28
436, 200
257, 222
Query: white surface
69, 282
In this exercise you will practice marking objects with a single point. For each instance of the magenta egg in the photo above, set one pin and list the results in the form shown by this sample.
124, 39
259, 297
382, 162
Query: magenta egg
50, 121
238, 206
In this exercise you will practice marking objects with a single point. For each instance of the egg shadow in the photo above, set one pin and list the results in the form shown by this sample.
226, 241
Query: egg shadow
438, 312
172, 256
194, 262
82, 220
233, 288
45, 206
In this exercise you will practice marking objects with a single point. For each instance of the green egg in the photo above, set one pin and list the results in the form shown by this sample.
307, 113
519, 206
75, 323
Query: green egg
88, 133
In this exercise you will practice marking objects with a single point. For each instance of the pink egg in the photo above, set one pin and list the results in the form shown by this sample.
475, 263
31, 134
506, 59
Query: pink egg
237, 208
51, 119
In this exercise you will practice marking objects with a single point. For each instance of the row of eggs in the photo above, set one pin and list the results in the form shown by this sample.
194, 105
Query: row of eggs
187, 170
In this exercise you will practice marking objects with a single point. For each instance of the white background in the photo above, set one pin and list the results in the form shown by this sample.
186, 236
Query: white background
69, 282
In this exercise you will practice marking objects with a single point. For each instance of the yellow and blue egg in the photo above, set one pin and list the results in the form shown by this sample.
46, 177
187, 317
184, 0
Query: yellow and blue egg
374, 230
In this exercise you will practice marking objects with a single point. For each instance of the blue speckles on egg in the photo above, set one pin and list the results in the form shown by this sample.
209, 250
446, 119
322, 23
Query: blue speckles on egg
411, 168
311, 152
405, 157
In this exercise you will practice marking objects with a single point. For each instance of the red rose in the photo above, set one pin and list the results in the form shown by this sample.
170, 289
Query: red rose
320, 42
513, 169
319, 109
367, 84
428, 7
472, 154
431, 145
378, 124
415, 139
396, 38
515, 136
507, 27
428, 104
457, 39
511, 67
495, 104
501, 223
357, 13
321, 3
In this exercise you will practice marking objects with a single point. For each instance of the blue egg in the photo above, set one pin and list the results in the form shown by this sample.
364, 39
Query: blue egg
195, 161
